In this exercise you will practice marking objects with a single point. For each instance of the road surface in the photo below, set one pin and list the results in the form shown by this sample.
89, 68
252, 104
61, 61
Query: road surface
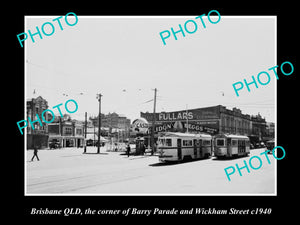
69, 172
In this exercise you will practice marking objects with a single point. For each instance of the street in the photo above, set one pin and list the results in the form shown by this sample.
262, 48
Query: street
69, 172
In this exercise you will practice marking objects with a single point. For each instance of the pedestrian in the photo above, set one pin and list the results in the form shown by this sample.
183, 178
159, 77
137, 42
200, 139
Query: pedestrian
143, 149
35, 151
128, 150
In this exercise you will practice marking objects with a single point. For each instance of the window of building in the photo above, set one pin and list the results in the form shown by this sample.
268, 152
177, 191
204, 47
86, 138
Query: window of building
68, 131
79, 131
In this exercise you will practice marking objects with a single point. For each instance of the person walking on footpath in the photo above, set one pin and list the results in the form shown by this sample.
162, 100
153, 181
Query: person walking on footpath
35, 151
143, 149
128, 150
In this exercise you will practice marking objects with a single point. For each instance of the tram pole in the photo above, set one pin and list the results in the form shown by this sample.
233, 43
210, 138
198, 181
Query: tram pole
85, 131
187, 120
99, 122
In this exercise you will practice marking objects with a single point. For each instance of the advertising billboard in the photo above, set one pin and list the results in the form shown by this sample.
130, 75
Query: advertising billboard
204, 120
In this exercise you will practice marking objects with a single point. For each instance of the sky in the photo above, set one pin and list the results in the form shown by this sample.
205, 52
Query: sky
124, 59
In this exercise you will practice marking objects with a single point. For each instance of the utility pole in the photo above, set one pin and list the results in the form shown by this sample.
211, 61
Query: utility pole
153, 122
85, 129
99, 122
187, 120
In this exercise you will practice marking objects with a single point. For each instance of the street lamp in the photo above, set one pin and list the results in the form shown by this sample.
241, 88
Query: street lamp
99, 122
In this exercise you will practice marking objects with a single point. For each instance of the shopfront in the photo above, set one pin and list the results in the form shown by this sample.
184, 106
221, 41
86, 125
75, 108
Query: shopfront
66, 141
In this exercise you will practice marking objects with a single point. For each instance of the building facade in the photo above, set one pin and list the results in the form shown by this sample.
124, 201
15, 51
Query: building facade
67, 132
34, 107
212, 120
259, 127
112, 120
270, 129
38, 135
113, 126
234, 122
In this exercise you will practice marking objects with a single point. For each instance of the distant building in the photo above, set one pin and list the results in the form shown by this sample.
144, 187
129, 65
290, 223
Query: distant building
67, 132
270, 129
36, 106
112, 120
38, 135
234, 122
258, 127
113, 126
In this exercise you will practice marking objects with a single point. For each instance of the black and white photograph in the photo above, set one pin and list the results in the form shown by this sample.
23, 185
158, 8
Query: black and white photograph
136, 114
172, 122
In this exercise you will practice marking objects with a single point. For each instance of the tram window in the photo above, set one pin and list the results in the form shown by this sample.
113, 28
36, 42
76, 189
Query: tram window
168, 142
162, 141
220, 142
234, 142
206, 142
187, 143
242, 143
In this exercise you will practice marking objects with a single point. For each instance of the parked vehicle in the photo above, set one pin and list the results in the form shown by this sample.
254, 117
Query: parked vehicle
270, 145
53, 144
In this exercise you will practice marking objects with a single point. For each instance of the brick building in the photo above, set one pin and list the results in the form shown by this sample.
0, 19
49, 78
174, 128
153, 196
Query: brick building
67, 132
213, 120
39, 135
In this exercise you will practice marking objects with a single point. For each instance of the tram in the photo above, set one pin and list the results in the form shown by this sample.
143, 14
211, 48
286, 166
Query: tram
173, 146
229, 145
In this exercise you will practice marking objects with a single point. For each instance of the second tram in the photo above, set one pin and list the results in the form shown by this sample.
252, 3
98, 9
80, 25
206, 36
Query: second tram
173, 146
229, 145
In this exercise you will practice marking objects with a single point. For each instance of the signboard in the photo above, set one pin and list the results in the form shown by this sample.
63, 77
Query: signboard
211, 127
140, 125
183, 115
195, 120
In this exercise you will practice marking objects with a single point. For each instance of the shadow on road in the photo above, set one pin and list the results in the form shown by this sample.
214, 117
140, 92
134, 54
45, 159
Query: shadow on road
177, 162
95, 153
164, 164
228, 158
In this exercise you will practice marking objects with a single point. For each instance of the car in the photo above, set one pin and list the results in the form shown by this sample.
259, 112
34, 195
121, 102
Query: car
259, 145
54, 144
270, 145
